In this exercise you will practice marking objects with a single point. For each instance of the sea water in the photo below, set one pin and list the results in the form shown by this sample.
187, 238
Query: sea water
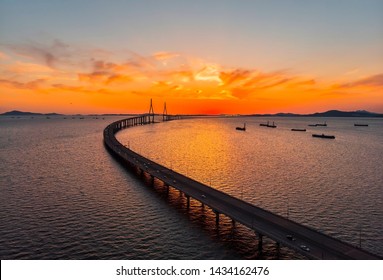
62, 196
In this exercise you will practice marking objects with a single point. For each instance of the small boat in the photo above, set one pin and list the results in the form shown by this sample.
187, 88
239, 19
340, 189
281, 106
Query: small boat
298, 129
241, 128
324, 136
264, 124
271, 125
312, 125
321, 124
360, 124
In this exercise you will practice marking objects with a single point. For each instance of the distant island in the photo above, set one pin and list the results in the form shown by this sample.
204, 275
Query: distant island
20, 113
331, 113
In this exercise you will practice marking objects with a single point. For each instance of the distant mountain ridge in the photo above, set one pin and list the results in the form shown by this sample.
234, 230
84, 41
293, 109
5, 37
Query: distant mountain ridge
20, 113
336, 113
331, 113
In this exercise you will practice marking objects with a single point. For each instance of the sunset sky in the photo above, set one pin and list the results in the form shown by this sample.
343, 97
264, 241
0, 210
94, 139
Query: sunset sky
200, 56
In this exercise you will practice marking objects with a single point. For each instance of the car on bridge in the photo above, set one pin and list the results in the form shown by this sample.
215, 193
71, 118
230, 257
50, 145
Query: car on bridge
290, 237
305, 248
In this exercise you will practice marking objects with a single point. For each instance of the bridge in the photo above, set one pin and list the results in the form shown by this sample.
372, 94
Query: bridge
303, 239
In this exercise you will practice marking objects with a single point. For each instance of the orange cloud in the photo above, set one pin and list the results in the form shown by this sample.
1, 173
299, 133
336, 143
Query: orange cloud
371, 81
164, 55
32, 85
235, 76
208, 73
20, 67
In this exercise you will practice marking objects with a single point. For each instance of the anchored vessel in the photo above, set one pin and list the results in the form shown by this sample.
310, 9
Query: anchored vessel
321, 124
324, 136
268, 124
241, 128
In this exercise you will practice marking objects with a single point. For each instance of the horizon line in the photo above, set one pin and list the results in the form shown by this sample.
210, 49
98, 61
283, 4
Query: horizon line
200, 114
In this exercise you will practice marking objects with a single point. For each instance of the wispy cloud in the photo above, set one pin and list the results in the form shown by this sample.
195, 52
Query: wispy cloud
20, 67
165, 55
31, 85
50, 55
371, 81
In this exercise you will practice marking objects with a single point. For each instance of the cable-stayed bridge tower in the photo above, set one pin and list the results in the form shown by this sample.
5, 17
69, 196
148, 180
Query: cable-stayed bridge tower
151, 112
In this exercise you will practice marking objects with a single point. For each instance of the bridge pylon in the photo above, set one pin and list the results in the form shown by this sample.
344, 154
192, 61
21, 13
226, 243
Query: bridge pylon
165, 113
151, 112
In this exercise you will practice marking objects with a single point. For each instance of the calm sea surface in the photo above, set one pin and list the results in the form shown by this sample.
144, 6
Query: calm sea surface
62, 196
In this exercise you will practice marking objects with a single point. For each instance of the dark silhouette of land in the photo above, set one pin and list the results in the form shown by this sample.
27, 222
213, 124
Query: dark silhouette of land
20, 113
331, 114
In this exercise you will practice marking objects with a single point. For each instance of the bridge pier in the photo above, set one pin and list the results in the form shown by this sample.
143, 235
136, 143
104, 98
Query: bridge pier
187, 202
260, 242
167, 190
152, 180
278, 245
216, 218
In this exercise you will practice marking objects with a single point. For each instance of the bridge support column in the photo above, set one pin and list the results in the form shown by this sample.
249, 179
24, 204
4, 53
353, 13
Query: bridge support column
216, 218
260, 242
152, 180
188, 202
233, 222
167, 190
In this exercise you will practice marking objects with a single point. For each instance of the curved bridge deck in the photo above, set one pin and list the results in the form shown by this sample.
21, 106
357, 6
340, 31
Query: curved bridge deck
263, 222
